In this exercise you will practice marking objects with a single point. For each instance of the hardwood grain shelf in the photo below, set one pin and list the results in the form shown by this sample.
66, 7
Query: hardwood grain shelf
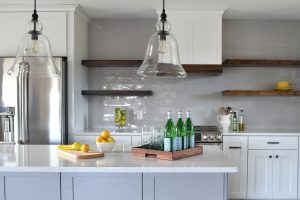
118, 92
190, 68
260, 93
257, 62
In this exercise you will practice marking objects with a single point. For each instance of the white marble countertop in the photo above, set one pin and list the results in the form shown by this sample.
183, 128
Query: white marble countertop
266, 132
44, 158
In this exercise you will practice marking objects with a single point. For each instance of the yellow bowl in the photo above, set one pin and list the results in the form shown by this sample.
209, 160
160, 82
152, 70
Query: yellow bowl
283, 88
283, 84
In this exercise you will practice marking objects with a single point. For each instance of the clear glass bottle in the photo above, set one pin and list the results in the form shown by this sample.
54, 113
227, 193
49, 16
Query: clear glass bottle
242, 121
189, 128
170, 143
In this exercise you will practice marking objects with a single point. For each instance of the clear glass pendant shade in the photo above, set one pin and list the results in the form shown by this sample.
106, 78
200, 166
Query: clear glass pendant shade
36, 53
162, 57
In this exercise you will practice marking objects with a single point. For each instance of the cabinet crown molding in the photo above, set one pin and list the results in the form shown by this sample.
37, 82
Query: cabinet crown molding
193, 12
41, 8
45, 8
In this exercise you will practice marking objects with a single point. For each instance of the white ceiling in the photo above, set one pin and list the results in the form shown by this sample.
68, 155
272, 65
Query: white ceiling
245, 9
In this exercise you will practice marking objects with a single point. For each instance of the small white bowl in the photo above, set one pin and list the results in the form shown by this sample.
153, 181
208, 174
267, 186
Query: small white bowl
105, 147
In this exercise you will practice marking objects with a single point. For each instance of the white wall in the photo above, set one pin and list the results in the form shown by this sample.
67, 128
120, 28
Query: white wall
198, 93
267, 39
119, 39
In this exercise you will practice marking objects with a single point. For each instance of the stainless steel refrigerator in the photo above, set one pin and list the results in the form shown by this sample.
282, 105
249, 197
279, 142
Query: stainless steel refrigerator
46, 106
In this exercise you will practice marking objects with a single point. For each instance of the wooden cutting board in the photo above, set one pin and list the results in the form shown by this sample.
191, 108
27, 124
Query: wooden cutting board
80, 155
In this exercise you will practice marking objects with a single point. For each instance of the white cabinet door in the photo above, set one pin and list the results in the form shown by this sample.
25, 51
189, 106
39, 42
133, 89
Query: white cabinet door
236, 149
55, 28
13, 27
98, 186
199, 36
178, 186
207, 39
285, 164
180, 30
32, 186
260, 172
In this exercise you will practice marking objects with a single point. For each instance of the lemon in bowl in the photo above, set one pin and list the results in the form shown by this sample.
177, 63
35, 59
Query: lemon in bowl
105, 142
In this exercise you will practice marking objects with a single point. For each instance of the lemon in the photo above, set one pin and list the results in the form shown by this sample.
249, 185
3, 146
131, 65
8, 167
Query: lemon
110, 139
104, 141
85, 148
105, 134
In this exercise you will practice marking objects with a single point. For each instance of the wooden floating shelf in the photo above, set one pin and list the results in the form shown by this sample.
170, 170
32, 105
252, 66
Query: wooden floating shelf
270, 63
111, 63
190, 68
118, 92
260, 93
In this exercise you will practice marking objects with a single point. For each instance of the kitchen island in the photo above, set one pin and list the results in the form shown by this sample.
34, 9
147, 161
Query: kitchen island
38, 172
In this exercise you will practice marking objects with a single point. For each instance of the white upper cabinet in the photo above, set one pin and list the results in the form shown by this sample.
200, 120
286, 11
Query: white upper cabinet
55, 28
13, 27
199, 35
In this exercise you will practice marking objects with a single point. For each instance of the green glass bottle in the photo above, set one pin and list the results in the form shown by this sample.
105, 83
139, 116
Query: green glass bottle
170, 143
234, 122
189, 131
180, 133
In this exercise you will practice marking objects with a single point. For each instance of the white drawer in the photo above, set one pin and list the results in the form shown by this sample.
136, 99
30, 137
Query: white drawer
270, 142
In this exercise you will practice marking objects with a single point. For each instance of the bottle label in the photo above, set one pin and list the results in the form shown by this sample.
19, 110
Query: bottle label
179, 143
192, 141
167, 144
185, 143
174, 144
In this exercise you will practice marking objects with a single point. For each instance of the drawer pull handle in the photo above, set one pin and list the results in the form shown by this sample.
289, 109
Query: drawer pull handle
235, 147
273, 142
277, 156
150, 155
270, 156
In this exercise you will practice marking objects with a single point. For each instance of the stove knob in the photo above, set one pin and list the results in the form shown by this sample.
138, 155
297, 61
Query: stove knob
211, 137
205, 137
219, 137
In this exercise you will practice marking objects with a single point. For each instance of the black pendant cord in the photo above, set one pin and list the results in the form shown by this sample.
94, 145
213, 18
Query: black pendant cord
35, 17
163, 19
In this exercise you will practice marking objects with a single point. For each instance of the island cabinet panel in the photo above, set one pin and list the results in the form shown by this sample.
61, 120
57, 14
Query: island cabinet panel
236, 148
177, 186
1, 187
31, 186
95, 186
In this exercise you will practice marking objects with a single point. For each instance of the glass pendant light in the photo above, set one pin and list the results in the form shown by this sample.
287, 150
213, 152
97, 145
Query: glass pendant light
162, 57
34, 56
